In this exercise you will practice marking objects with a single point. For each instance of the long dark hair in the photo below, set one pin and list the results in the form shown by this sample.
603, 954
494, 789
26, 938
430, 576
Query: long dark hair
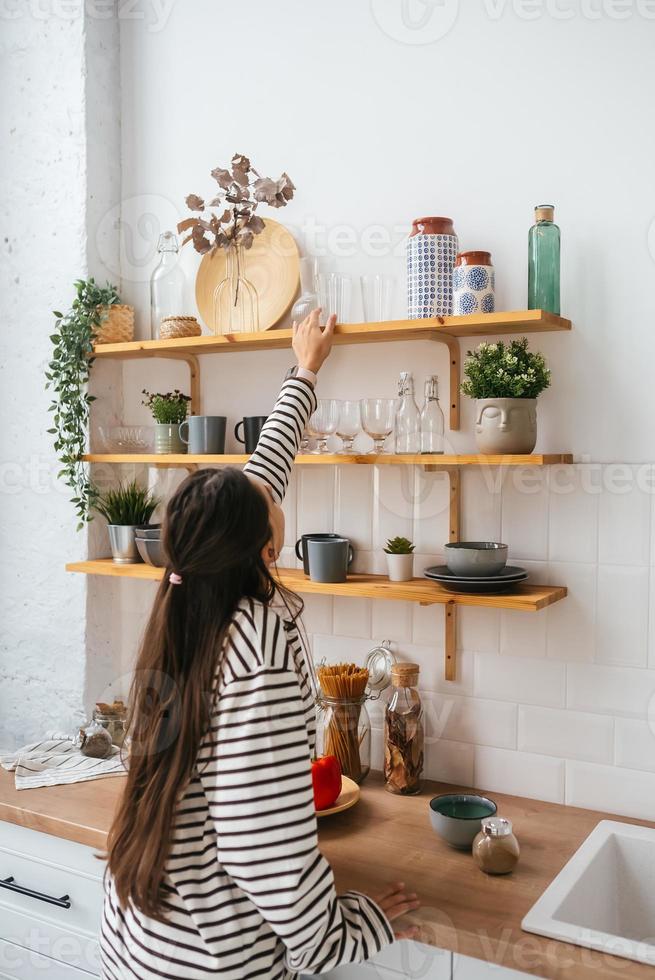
215, 528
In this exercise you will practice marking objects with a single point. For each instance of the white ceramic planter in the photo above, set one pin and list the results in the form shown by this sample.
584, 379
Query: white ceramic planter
506, 426
400, 567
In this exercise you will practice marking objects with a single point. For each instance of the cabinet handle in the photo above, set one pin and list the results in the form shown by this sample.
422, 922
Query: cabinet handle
62, 903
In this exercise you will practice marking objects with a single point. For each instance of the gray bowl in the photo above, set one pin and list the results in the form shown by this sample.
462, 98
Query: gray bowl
151, 551
148, 531
457, 817
475, 557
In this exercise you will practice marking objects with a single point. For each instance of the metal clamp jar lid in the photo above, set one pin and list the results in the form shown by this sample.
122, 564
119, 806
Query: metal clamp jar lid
379, 663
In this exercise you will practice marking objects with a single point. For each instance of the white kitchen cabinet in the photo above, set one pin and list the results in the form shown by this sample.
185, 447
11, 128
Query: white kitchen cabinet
468, 968
53, 908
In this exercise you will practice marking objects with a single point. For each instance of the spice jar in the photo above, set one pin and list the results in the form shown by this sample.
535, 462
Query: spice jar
343, 728
496, 849
403, 732
94, 741
112, 717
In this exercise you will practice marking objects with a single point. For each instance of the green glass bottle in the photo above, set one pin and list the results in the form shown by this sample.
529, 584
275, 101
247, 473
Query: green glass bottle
543, 261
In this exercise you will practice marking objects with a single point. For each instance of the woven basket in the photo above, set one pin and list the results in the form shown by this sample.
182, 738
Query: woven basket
179, 326
118, 328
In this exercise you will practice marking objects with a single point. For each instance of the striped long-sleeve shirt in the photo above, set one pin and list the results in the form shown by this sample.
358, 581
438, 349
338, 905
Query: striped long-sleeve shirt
246, 890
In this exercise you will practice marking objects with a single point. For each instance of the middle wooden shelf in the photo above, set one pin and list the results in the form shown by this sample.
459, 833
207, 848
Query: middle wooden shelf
337, 459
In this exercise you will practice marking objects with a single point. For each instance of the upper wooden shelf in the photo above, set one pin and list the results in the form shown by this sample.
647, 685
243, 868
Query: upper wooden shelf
441, 328
528, 598
337, 459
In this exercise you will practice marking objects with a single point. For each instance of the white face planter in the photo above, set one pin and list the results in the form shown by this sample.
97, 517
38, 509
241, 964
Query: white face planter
506, 426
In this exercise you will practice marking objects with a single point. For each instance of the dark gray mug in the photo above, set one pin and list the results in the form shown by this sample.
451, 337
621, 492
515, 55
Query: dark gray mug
328, 559
252, 427
303, 555
206, 434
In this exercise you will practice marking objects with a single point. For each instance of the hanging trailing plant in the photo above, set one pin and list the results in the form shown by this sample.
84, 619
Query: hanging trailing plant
67, 377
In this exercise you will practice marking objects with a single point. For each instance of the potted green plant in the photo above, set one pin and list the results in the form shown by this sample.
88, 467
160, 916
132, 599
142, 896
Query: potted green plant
169, 410
400, 559
505, 380
126, 508
67, 376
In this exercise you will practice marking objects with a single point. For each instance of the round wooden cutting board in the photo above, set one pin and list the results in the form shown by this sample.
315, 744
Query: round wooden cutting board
273, 267
347, 797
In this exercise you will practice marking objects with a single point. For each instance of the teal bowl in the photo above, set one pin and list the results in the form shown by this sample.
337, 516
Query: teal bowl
457, 817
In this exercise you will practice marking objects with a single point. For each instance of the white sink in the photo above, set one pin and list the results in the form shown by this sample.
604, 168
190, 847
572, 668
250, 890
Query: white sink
604, 898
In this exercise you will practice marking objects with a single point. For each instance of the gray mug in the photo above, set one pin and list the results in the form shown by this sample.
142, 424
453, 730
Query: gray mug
303, 554
328, 559
206, 434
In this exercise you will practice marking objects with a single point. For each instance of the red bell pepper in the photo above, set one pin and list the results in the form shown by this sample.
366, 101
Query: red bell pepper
326, 779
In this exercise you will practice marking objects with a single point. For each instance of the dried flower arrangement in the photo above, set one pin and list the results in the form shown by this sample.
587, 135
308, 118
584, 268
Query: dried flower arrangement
241, 191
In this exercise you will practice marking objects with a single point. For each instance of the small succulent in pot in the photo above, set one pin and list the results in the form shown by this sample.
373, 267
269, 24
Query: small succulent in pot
169, 410
505, 380
400, 559
125, 508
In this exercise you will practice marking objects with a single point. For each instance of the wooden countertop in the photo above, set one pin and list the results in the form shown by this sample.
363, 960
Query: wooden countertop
386, 838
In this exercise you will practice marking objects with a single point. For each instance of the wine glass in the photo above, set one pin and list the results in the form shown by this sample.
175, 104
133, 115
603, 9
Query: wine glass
378, 415
323, 422
350, 423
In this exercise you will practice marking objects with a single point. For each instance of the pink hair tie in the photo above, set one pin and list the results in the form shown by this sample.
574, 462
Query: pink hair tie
175, 579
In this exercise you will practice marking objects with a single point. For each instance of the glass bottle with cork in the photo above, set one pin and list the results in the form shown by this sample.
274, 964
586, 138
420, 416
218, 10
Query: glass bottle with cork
544, 261
408, 419
403, 732
432, 421
167, 284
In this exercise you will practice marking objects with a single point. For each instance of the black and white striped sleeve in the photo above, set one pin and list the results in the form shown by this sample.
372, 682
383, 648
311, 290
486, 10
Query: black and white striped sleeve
260, 788
279, 440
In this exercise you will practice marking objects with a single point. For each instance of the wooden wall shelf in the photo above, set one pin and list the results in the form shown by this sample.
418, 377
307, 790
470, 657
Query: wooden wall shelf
337, 459
524, 598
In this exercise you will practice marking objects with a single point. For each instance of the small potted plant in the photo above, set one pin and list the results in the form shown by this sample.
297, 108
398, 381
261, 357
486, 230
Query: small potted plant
505, 380
400, 559
125, 509
169, 411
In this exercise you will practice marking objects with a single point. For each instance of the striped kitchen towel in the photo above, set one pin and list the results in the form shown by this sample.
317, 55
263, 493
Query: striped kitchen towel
56, 761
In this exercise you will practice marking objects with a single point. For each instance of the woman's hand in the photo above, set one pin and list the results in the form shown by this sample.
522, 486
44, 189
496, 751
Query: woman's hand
394, 902
310, 343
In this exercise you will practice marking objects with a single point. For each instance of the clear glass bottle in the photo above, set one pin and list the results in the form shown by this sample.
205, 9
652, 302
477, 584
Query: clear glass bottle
408, 419
343, 728
236, 304
432, 420
544, 261
308, 299
167, 284
403, 732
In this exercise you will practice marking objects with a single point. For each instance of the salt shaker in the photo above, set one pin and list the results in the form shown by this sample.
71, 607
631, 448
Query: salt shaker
496, 849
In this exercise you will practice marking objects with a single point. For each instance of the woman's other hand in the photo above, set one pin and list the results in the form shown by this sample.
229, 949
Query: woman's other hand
396, 901
311, 343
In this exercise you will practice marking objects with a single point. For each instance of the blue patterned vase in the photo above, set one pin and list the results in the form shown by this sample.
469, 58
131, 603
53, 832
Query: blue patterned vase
431, 252
474, 284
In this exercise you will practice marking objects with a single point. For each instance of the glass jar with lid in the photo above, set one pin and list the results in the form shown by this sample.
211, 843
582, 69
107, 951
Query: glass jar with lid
403, 732
113, 718
496, 849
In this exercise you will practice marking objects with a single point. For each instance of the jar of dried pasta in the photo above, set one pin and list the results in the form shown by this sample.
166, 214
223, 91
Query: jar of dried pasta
403, 732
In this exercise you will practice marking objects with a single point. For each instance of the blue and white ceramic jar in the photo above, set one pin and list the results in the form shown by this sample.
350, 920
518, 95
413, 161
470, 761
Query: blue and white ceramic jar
474, 284
431, 252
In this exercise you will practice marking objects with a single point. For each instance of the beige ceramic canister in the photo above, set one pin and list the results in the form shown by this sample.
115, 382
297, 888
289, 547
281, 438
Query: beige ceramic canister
496, 849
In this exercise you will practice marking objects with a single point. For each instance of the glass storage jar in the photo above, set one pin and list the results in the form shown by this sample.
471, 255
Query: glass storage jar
113, 718
403, 732
343, 728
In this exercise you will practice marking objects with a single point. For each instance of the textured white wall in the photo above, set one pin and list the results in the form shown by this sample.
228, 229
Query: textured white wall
504, 106
52, 184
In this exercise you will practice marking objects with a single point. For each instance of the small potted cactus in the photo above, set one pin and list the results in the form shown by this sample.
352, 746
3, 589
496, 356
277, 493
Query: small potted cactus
400, 559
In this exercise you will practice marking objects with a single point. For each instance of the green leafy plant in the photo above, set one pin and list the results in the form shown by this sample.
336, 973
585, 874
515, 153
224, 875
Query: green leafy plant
168, 409
67, 377
399, 546
500, 371
128, 504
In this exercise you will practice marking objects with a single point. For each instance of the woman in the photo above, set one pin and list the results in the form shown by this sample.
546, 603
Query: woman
213, 866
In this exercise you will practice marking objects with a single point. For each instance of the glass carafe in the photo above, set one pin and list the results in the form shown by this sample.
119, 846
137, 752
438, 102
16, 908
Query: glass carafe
167, 284
236, 305
432, 420
403, 732
408, 421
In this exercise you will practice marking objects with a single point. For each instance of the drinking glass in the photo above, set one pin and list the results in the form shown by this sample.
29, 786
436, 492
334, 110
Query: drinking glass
334, 292
323, 422
350, 423
377, 296
378, 416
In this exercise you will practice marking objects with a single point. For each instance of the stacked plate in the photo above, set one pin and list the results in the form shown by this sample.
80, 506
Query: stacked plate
148, 543
476, 567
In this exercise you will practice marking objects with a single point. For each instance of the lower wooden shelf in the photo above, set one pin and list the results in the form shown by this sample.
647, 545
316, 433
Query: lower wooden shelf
526, 598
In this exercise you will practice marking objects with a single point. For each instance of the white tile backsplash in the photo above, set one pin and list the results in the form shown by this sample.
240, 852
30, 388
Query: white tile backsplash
450, 762
354, 485
470, 720
431, 511
392, 620
623, 518
316, 495
525, 513
622, 615
523, 634
526, 681
481, 501
566, 734
610, 690
538, 777
573, 516
571, 624
635, 743
393, 503
351, 617
622, 791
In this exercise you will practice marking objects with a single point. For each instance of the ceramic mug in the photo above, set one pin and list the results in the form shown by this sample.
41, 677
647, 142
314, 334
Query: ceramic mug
302, 551
329, 558
206, 434
252, 427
